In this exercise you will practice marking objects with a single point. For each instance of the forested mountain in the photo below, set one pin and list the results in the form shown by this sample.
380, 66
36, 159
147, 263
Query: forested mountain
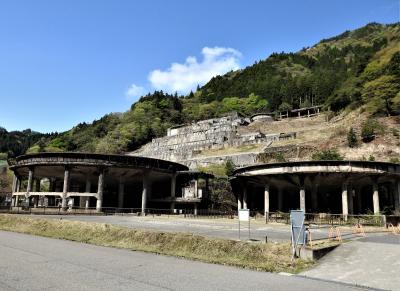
359, 68
15, 143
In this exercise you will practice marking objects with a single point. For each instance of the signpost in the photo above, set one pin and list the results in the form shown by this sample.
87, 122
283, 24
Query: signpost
244, 215
298, 228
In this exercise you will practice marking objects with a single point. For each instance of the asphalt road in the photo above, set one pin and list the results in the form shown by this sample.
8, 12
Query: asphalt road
37, 263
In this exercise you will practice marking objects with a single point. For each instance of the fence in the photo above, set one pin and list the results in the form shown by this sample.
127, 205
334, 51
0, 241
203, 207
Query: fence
335, 219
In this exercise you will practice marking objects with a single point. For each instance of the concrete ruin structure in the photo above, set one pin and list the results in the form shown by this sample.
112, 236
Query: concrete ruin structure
69, 180
337, 187
182, 143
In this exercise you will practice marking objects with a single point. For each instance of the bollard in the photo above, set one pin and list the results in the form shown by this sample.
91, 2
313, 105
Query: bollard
266, 239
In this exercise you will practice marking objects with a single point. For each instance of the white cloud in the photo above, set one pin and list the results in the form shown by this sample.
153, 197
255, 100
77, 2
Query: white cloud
185, 77
135, 91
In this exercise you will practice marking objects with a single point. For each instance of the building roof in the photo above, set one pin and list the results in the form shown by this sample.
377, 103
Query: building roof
91, 159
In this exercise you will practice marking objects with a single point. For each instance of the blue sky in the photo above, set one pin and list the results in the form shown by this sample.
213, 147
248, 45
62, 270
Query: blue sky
65, 62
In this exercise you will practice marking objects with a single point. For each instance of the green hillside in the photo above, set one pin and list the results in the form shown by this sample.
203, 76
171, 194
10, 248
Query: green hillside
359, 68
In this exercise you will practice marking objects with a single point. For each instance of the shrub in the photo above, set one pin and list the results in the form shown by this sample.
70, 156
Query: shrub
229, 167
327, 155
352, 138
370, 128
371, 158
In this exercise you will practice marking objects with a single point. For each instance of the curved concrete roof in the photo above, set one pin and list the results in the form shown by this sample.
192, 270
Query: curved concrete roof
90, 159
366, 167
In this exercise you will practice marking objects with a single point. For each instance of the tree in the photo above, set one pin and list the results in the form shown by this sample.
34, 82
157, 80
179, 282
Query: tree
351, 138
229, 167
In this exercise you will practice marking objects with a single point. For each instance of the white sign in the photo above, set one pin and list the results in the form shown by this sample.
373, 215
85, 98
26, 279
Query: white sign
244, 215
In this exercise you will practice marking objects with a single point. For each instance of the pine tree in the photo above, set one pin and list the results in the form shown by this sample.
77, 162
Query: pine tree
351, 138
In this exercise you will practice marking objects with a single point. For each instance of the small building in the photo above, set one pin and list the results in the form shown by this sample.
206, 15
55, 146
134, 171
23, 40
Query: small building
337, 187
105, 181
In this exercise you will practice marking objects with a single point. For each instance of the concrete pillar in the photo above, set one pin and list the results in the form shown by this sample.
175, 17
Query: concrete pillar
357, 192
195, 209
100, 188
173, 191
397, 195
19, 182
308, 113
37, 185
196, 191
240, 204
266, 199
121, 194
280, 199
146, 185
314, 198
15, 182
87, 202
65, 189
345, 207
245, 198
30, 184
375, 197
298, 114
303, 198
351, 203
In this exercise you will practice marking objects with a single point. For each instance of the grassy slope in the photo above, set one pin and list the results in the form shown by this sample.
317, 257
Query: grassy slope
267, 257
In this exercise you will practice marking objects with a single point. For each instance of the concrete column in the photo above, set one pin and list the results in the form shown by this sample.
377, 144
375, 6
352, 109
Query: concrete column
15, 182
196, 191
173, 190
266, 199
359, 200
65, 189
37, 185
121, 194
29, 188
303, 198
245, 198
146, 185
87, 202
19, 182
280, 199
375, 197
195, 209
397, 195
351, 201
100, 188
345, 207
314, 198
240, 204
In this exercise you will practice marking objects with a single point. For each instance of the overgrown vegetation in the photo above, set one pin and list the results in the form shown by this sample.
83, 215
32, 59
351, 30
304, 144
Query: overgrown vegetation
327, 155
267, 257
352, 138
